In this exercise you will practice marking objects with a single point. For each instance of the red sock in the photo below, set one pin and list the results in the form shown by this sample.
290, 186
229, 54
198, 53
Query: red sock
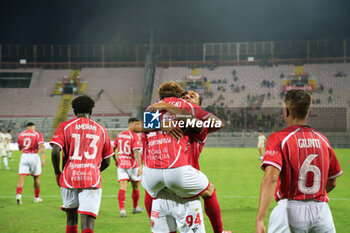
37, 192
19, 190
121, 199
88, 230
72, 229
135, 197
148, 203
212, 209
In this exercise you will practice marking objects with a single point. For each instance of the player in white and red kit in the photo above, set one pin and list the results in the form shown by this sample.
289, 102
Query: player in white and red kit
166, 160
306, 164
129, 146
84, 144
196, 144
30, 142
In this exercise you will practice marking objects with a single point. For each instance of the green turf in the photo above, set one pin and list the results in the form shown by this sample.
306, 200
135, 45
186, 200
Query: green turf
234, 172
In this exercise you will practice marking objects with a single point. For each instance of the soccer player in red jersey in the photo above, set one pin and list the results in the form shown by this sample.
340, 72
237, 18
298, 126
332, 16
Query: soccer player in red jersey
30, 142
129, 165
306, 164
197, 141
84, 144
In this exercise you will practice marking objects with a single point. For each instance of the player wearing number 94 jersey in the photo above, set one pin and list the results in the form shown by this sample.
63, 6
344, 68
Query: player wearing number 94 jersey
305, 162
84, 144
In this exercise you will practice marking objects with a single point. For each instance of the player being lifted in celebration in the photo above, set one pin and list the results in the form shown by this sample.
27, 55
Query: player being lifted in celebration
8, 142
196, 143
129, 165
30, 142
3, 150
84, 144
305, 162
261, 144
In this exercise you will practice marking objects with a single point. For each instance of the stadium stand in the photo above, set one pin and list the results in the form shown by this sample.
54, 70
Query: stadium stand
246, 97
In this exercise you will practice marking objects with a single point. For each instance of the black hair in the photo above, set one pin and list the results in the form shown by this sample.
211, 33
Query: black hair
9, 130
83, 105
29, 124
133, 119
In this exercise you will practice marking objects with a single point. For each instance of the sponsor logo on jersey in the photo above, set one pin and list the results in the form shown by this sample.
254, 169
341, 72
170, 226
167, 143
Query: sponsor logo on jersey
271, 152
151, 120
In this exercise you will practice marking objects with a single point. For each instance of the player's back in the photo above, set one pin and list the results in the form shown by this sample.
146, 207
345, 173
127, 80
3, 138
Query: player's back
2, 140
29, 140
308, 162
84, 143
162, 150
127, 142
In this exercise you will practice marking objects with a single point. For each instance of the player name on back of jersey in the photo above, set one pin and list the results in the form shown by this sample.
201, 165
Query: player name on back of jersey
85, 127
309, 142
28, 134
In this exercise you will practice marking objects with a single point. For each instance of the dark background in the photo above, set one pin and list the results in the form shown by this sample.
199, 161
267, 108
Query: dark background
175, 21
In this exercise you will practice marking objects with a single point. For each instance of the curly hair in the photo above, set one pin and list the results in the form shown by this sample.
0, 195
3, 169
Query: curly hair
83, 104
299, 103
170, 89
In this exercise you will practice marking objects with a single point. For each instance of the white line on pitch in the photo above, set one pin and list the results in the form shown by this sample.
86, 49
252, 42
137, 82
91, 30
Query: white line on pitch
115, 196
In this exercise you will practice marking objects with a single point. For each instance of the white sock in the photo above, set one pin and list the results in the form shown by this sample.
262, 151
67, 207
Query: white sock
10, 155
5, 161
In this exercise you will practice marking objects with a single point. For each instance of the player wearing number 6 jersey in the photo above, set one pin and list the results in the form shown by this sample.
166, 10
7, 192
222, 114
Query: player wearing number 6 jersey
305, 162
129, 146
84, 144
30, 142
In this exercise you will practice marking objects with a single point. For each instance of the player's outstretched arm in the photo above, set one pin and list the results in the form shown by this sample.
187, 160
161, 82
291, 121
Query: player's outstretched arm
55, 158
104, 164
42, 152
267, 191
331, 183
174, 132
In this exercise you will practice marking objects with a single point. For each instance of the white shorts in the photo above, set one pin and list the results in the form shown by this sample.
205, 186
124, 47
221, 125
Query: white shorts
261, 146
128, 174
7, 147
2, 151
87, 201
185, 181
30, 164
170, 212
278, 222
310, 216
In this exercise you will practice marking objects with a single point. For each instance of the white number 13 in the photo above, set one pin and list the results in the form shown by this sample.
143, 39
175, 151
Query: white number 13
76, 156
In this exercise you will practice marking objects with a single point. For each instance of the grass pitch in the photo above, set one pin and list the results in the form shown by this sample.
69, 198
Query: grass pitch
235, 173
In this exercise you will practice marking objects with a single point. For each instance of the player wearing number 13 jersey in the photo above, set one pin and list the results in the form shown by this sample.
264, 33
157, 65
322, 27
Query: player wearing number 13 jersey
84, 144
306, 164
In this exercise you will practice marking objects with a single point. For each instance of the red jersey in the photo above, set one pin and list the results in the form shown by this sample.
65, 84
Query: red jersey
127, 142
306, 161
162, 150
196, 145
29, 141
84, 143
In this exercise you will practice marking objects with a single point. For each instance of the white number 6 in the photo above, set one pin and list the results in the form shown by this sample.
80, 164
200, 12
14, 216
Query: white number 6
305, 168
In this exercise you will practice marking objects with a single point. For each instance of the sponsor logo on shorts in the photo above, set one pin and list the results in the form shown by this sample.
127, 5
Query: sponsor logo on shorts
155, 214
